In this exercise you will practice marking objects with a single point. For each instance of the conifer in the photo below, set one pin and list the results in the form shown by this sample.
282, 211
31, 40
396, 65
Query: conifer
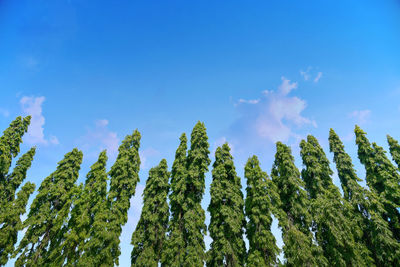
366, 206
394, 149
293, 212
226, 210
48, 214
174, 249
382, 178
86, 206
11, 222
194, 217
334, 229
124, 178
149, 237
263, 250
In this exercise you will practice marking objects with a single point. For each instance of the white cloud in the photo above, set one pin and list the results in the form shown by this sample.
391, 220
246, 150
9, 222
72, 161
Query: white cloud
286, 87
145, 155
250, 101
33, 106
99, 138
361, 116
274, 117
306, 74
319, 75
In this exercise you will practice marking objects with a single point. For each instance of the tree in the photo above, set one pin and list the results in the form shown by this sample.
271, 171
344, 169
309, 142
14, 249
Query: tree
49, 212
11, 208
367, 208
9, 145
124, 177
11, 222
293, 212
226, 210
334, 229
394, 149
194, 217
174, 249
263, 250
149, 237
86, 206
382, 178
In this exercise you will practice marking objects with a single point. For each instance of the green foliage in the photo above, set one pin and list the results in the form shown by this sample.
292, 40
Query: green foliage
194, 217
260, 196
11, 222
367, 208
335, 231
124, 177
226, 210
394, 149
174, 249
149, 237
49, 212
86, 206
293, 212
11, 208
9, 144
382, 178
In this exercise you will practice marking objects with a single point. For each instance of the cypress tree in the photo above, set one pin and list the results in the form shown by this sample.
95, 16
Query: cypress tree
382, 177
263, 250
367, 208
394, 149
174, 250
11, 222
49, 212
226, 210
124, 177
9, 145
293, 212
11, 208
149, 237
86, 206
194, 217
334, 229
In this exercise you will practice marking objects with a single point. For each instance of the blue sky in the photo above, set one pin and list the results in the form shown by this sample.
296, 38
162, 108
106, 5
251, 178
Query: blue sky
90, 72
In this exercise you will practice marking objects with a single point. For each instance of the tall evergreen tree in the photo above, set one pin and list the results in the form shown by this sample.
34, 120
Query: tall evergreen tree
11, 222
226, 210
11, 208
174, 249
382, 177
149, 237
49, 212
263, 250
367, 208
293, 212
334, 229
194, 217
124, 178
9, 145
394, 149
86, 206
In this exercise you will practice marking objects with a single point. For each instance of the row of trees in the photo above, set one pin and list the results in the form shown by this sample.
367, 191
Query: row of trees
80, 225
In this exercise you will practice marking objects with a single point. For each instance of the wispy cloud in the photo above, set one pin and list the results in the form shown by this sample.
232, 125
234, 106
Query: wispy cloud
145, 155
361, 116
274, 117
33, 106
250, 101
319, 75
4, 112
306, 74
98, 138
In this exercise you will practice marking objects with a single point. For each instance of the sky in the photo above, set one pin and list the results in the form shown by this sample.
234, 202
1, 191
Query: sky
91, 72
